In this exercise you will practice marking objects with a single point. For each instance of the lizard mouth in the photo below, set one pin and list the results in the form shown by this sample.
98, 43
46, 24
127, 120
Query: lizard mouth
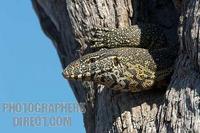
68, 75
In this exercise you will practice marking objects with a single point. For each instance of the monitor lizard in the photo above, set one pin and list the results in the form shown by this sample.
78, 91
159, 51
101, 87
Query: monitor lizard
136, 59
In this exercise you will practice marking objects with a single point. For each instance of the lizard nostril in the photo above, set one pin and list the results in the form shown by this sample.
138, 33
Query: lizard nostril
65, 74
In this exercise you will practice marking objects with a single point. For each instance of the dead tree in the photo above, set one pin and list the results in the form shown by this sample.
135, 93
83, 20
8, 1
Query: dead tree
172, 109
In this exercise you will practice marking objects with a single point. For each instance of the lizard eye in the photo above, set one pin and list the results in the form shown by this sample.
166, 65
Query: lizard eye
92, 60
116, 61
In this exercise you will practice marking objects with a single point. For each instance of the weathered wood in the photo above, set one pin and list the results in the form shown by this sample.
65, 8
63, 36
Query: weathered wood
180, 111
173, 110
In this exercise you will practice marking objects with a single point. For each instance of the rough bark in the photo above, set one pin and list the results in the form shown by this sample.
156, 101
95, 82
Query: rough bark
173, 109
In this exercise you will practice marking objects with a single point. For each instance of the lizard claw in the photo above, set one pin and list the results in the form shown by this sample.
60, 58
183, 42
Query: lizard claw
102, 37
93, 40
100, 29
97, 45
98, 38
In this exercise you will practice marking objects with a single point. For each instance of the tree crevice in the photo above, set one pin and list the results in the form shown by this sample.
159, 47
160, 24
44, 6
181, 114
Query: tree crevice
172, 109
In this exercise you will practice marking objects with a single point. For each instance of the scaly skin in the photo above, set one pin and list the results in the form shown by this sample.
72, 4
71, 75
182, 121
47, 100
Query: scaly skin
147, 36
124, 69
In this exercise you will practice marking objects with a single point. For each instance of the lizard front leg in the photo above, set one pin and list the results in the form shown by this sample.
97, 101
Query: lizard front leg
147, 36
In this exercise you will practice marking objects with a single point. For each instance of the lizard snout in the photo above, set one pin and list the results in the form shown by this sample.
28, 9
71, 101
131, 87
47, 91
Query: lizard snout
65, 74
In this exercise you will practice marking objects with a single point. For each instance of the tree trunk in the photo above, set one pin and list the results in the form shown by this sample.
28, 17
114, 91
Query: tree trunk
173, 109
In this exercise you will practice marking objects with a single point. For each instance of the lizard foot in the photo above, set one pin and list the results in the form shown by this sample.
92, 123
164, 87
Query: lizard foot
104, 38
147, 36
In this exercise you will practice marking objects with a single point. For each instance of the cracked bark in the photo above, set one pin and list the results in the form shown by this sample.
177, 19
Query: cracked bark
173, 109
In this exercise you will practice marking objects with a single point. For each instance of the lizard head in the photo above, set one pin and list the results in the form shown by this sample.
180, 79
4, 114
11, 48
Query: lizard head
92, 67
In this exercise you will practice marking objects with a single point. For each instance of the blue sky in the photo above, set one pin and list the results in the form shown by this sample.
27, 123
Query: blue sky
30, 70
